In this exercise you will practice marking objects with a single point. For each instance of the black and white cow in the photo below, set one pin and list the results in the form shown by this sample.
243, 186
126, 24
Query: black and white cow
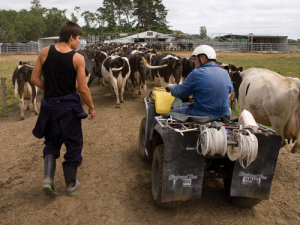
90, 67
139, 68
99, 57
188, 66
170, 74
116, 70
23, 86
234, 73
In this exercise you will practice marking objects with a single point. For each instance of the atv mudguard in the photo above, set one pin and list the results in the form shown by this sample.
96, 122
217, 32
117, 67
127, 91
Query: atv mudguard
255, 181
183, 170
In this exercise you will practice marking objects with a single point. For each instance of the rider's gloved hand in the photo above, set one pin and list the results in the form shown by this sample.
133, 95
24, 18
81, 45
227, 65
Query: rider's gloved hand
168, 87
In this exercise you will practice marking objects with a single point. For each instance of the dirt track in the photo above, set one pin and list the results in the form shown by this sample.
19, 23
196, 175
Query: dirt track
116, 182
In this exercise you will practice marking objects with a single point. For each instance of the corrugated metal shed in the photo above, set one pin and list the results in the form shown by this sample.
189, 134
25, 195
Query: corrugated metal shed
251, 38
146, 36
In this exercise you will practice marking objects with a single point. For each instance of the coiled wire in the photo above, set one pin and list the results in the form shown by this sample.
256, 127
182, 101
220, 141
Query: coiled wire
212, 141
246, 151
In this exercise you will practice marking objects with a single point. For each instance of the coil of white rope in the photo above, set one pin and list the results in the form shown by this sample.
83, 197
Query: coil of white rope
246, 151
212, 142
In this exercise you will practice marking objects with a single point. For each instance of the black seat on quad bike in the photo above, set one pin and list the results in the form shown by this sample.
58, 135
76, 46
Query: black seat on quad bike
188, 118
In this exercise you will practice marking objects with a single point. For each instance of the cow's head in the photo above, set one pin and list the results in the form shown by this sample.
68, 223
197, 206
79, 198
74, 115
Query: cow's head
174, 66
25, 72
232, 68
21, 63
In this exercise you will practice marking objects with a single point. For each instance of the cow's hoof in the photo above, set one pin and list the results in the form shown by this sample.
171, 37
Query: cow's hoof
140, 93
22, 118
36, 113
118, 106
294, 149
122, 101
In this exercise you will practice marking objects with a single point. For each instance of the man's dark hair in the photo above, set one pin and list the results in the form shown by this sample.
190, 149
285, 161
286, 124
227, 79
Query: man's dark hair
69, 29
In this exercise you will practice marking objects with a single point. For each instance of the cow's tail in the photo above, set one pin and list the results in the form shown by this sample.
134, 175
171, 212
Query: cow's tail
153, 67
27, 90
16, 89
118, 69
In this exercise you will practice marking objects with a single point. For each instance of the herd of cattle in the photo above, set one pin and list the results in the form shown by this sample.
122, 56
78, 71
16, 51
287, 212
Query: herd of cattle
272, 99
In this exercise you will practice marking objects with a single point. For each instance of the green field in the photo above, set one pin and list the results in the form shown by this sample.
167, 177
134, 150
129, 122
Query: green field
283, 63
287, 65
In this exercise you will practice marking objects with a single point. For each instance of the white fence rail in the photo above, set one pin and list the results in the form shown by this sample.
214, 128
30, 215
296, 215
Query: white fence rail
177, 46
19, 49
228, 47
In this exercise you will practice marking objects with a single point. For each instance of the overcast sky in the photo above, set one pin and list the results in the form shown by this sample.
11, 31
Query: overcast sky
260, 17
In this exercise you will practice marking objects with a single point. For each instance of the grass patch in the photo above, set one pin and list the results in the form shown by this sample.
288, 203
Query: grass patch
286, 64
12, 105
235, 112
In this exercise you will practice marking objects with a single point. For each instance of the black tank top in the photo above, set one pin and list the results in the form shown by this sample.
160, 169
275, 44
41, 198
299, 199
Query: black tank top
59, 73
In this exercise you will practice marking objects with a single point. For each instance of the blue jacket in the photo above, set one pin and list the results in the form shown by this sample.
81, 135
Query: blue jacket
210, 86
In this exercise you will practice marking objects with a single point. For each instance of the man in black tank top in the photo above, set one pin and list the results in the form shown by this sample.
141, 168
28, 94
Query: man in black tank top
60, 116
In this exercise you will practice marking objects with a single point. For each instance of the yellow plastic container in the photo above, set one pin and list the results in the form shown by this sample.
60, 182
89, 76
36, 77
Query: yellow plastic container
163, 100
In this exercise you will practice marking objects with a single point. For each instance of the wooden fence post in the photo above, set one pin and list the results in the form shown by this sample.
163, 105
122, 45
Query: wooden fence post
3, 91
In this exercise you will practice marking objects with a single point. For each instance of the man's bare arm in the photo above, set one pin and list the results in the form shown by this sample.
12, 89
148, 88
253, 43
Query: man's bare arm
36, 76
83, 89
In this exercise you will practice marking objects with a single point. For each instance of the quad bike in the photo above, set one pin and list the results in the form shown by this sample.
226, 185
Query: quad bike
186, 150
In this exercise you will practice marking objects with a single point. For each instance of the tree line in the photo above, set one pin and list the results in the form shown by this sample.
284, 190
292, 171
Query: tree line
116, 16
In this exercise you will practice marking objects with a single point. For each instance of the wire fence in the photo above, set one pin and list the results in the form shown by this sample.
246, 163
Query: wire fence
227, 46
19, 49
175, 46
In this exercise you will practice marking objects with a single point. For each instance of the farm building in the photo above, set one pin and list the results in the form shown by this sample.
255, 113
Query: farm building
257, 42
43, 42
146, 36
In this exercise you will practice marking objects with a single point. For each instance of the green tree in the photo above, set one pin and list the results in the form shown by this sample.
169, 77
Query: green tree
203, 32
77, 9
150, 14
74, 18
89, 19
36, 4
293, 41
7, 25
100, 20
28, 26
37, 8
54, 19
108, 14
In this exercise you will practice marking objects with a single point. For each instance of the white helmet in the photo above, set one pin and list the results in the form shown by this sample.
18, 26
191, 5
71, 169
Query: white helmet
205, 50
